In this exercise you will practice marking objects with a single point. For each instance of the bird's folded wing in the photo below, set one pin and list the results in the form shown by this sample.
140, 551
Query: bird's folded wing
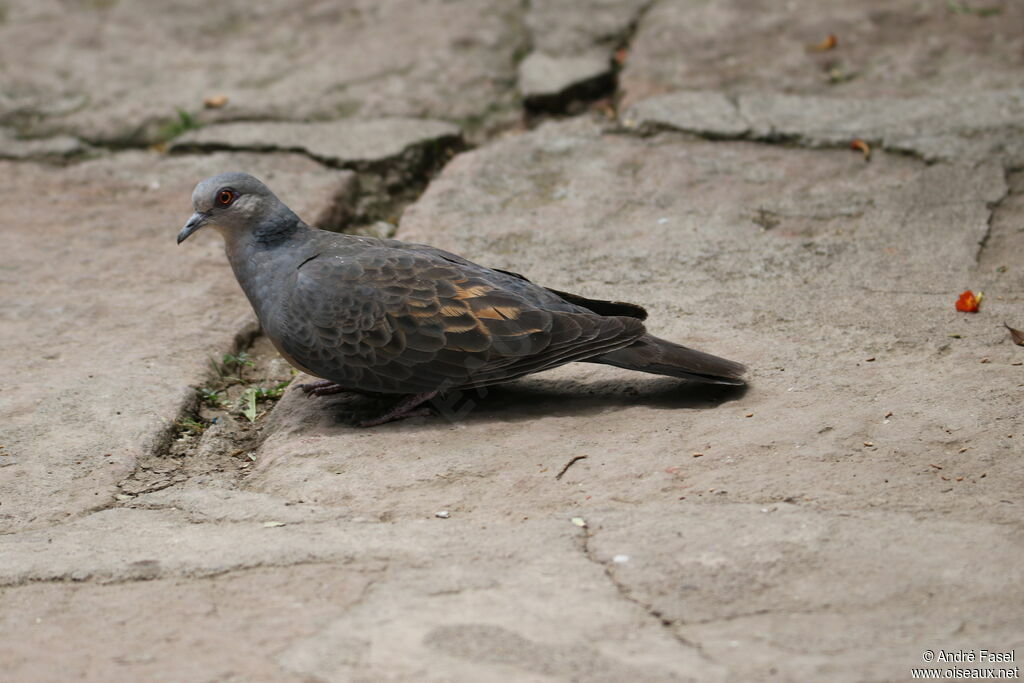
598, 306
391, 320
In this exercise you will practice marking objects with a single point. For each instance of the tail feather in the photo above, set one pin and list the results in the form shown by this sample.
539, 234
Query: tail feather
662, 357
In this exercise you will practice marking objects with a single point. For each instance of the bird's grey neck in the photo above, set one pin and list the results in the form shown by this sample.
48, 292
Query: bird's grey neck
277, 228
262, 257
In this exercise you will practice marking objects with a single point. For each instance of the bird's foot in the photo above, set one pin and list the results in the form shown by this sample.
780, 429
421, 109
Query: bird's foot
410, 406
324, 387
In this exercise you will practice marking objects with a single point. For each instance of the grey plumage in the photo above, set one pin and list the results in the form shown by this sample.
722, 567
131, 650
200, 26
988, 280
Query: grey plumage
397, 318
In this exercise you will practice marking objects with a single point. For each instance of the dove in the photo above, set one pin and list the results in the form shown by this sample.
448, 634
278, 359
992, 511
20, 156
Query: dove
382, 316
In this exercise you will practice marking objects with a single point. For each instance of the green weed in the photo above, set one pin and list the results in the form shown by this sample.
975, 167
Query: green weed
184, 122
211, 397
961, 8
191, 425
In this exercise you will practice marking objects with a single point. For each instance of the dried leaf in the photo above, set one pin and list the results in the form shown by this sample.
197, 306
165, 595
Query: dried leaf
836, 75
828, 43
248, 401
1016, 335
862, 147
968, 302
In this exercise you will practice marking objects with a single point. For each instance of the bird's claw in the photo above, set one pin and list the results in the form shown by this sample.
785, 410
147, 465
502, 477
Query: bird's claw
410, 406
383, 419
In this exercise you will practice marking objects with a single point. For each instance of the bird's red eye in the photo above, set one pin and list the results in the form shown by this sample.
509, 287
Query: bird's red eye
225, 197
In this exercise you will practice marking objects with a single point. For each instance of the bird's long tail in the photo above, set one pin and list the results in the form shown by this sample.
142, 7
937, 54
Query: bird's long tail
662, 357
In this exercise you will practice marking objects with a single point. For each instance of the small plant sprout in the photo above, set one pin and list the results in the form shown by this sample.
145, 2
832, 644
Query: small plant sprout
237, 360
271, 394
211, 397
229, 363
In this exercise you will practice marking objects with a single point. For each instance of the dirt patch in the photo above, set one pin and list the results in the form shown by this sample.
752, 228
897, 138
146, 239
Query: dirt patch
217, 437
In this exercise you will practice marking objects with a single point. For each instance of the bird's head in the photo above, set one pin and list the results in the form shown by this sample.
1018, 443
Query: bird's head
237, 204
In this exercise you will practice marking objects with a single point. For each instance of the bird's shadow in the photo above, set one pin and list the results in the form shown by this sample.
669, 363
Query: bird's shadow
531, 399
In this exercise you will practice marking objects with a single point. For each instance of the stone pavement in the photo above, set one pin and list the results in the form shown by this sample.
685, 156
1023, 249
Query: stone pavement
858, 504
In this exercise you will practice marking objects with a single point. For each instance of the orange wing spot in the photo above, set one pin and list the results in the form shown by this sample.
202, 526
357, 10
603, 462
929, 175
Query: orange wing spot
470, 292
495, 313
454, 311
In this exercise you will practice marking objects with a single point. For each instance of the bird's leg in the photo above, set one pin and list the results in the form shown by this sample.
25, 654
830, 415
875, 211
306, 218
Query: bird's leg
324, 387
410, 406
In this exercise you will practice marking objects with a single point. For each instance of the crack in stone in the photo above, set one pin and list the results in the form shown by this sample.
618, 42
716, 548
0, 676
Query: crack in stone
625, 42
159, 450
993, 208
907, 127
383, 187
575, 99
148, 570
667, 624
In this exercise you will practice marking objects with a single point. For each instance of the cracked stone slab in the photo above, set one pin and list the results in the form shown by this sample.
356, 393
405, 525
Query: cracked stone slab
569, 27
1004, 246
807, 592
706, 113
58, 147
530, 605
546, 81
572, 49
397, 600
304, 61
965, 127
135, 542
347, 142
201, 501
885, 48
109, 324
968, 126
225, 627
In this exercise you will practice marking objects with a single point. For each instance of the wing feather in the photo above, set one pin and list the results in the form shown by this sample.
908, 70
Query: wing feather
393, 320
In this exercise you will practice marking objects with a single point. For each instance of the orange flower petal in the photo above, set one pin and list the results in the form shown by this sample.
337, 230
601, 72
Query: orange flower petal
968, 302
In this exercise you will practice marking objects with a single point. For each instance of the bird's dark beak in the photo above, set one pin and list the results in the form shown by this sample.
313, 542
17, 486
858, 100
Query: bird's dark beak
197, 221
